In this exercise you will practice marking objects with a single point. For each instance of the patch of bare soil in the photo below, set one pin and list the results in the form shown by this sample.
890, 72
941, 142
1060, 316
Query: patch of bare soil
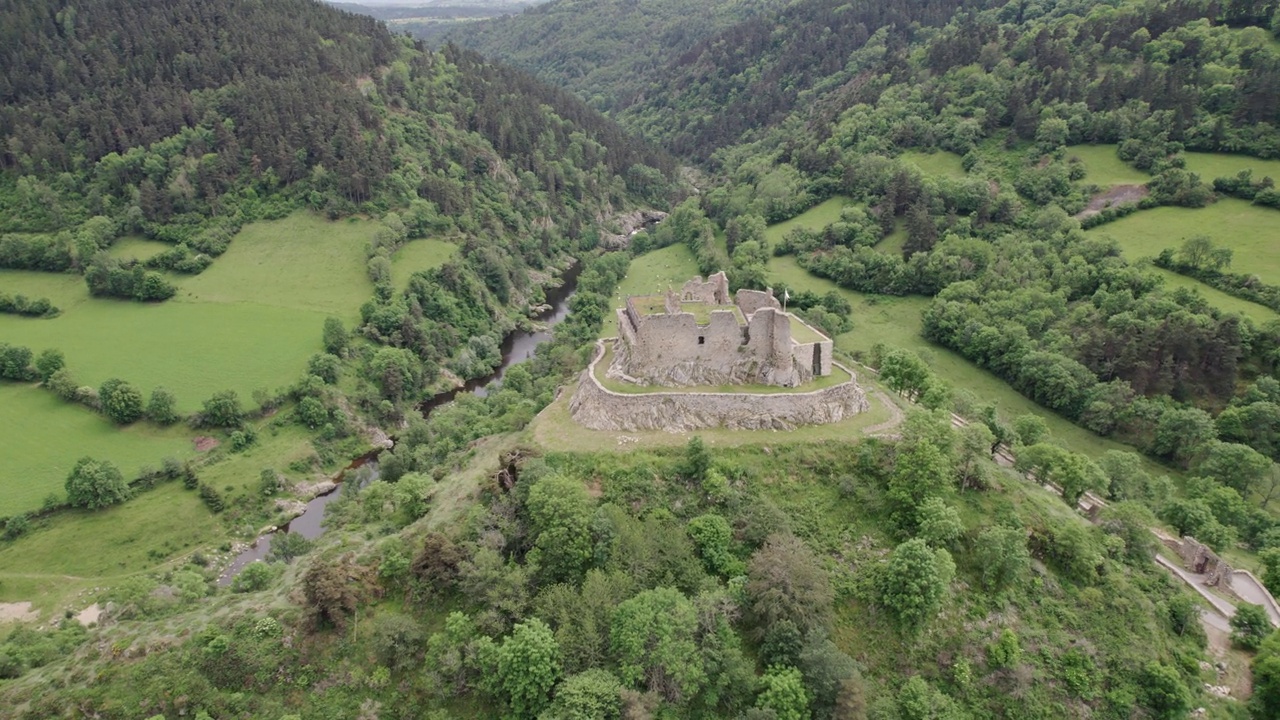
204, 443
1113, 196
17, 612
89, 615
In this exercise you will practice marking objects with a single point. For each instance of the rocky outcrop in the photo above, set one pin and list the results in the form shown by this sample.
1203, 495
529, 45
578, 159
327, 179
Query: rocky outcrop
598, 408
629, 224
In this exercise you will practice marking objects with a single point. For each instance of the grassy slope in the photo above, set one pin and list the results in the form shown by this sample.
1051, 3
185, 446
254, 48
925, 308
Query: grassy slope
419, 255
815, 218
250, 321
137, 247
154, 529
1217, 298
1104, 169
1216, 165
1252, 232
941, 163
650, 273
45, 436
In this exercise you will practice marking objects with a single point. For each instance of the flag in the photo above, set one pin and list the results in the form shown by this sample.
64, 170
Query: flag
786, 294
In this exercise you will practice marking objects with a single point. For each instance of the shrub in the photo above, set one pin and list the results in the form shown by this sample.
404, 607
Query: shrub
95, 484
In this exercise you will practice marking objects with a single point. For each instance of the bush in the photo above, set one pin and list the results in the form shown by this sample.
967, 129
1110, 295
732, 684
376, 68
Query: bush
255, 576
95, 484
212, 498
1250, 626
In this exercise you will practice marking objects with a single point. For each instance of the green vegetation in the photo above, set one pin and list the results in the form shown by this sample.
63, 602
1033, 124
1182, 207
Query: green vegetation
815, 218
137, 248
1216, 165
419, 255
940, 163
1250, 231
54, 434
1104, 168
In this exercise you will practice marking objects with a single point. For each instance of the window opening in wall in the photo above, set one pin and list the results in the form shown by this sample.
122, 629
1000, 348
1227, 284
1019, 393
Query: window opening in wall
702, 339
817, 360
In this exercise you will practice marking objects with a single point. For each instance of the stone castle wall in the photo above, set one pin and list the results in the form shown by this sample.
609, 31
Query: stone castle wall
804, 357
753, 300
598, 408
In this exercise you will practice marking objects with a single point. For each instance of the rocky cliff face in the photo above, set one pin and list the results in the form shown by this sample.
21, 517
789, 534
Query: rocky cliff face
629, 223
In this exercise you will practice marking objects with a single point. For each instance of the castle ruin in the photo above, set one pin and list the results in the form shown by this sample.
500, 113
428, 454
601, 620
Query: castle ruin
704, 336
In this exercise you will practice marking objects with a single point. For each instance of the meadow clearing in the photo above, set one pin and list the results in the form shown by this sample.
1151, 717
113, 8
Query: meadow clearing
940, 163
250, 321
1251, 231
44, 437
418, 255
1104, 168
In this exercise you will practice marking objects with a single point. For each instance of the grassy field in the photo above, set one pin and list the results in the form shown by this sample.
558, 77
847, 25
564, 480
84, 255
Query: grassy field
63, 289
1104, 169
1216, 165
555, 429
250, 321
895, 241
45, 436
815, 218
137, 247
1217, 298
418, 255
652, 273
1252, 232
941, 163
157, 528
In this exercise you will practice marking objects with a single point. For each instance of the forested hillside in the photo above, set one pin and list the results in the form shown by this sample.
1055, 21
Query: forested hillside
611, 53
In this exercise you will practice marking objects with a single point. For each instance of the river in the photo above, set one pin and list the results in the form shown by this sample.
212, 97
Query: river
518, 346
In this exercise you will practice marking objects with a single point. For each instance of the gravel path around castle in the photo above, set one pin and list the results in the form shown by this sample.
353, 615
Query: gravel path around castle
883, 429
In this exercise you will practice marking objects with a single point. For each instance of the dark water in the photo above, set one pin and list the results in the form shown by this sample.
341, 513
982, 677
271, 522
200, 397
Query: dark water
516, 348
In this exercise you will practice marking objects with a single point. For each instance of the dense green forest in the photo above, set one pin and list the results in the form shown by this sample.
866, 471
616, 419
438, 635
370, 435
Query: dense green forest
907, 575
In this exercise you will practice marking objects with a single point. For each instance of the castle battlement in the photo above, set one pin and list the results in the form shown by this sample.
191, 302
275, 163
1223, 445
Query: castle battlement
703, 335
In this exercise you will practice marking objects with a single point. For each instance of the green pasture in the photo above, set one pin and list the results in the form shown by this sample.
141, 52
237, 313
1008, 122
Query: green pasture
418, 255
894, 242
1228, 303
63, 289
1104, 168
156, 529
1215, 165
652, 273
250, 321
815, 218
44, 437
302, 262
1252, 232
137, 248
940, 163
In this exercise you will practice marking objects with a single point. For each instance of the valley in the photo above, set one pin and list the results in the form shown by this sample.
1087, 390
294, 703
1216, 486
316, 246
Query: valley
303, 310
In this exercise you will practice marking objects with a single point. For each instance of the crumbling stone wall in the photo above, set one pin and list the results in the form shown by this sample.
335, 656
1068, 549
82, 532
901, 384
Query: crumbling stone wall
804, 354
1200, 559
594, 406
752, 300
714, 290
